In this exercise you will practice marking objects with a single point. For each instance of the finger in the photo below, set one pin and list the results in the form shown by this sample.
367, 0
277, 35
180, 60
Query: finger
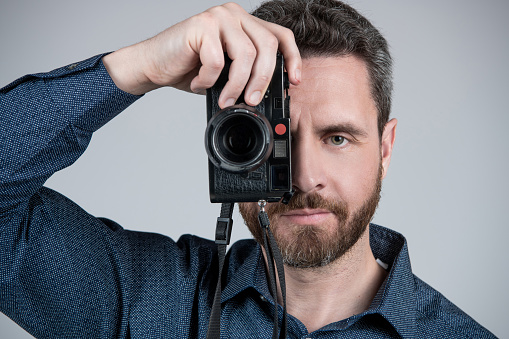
231, 39
268, 38
242, 52
263, 68
212, 63
289, 49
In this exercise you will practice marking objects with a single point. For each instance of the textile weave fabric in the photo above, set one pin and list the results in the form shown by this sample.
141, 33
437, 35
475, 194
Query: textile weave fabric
67, 274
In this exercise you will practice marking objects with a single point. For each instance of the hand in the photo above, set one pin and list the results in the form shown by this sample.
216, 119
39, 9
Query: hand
190, 56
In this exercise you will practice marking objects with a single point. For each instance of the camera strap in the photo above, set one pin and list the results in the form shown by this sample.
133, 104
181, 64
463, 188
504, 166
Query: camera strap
223, 234
274, 255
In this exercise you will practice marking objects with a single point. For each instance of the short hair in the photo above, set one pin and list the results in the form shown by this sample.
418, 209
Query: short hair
328, 28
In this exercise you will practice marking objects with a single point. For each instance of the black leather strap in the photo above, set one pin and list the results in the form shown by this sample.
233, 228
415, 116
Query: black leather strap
223, 233
274, 255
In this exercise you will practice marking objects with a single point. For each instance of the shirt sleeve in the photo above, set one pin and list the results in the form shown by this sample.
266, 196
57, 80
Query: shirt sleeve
47, 122
62, 272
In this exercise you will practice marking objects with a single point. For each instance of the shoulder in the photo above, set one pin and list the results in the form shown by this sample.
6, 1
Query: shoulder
188, 253
437, 317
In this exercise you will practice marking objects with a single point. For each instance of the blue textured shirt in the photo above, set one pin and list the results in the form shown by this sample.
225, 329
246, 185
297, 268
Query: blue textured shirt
67, 274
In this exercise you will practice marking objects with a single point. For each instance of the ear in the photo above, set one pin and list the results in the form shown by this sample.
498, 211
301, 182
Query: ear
388, 137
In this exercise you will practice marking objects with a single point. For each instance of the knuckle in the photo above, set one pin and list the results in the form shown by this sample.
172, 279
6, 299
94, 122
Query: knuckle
272, 42
249, 50
217, 11
287, 34
206, 18
232, 6
216, 64
264, 78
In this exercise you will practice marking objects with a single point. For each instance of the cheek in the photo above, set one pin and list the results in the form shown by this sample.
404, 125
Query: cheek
354, 177
250, 215
248, 209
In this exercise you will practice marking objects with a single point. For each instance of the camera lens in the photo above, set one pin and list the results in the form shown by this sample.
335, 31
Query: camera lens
239, 142
238, 139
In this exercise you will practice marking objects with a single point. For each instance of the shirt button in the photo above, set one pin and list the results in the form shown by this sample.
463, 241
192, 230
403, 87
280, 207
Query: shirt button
262, 298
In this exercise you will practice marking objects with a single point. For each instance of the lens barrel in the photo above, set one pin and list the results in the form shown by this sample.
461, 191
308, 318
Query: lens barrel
238, 139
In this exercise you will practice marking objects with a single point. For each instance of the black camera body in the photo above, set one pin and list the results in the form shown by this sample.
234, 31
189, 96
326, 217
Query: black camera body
249, 148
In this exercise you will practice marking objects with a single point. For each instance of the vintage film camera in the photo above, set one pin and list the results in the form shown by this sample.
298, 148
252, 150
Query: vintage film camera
249, 148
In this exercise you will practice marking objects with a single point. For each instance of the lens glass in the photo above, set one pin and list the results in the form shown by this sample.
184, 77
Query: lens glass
240, 139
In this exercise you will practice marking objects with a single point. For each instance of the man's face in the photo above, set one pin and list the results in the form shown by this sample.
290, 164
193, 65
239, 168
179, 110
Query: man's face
338, 163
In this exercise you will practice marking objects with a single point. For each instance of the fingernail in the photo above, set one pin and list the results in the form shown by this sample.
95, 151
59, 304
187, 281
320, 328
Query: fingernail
229, 102
297, 74
255, 97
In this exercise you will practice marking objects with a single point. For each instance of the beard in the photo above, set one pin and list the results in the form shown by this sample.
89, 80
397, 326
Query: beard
308, 246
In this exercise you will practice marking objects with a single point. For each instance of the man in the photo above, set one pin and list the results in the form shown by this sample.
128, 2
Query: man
66, 273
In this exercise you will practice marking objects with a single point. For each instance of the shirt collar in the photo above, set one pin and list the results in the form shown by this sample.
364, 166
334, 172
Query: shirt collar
395, 300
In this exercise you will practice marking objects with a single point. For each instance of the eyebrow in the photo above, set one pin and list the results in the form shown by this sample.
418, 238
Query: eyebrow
346, 127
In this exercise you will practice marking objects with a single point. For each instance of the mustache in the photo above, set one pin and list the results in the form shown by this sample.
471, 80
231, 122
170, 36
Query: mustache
311, 201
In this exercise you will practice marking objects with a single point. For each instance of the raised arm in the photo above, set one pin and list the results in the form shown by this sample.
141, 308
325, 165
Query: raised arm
190, 55
63, 272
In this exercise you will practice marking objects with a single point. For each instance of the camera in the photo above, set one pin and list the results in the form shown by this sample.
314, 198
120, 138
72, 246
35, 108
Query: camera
249, 147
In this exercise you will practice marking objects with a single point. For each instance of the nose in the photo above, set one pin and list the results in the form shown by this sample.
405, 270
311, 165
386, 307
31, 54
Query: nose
308, 171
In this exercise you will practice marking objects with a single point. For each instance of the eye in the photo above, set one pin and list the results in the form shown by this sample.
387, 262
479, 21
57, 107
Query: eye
338, 140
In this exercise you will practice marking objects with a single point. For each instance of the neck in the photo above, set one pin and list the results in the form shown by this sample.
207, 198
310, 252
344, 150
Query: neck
320, 296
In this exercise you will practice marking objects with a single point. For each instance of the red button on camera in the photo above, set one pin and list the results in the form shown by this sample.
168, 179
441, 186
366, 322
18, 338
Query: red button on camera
280, 129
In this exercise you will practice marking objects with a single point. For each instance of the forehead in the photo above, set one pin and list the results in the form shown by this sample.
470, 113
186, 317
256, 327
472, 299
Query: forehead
333, 90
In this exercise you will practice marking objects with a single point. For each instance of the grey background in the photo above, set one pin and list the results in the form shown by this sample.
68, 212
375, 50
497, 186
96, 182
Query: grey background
446, 190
